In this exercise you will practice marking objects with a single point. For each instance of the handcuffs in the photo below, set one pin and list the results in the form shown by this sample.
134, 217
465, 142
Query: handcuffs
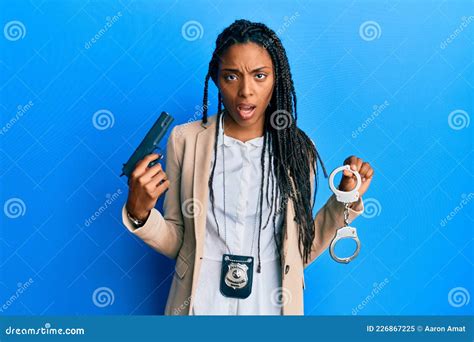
346, 197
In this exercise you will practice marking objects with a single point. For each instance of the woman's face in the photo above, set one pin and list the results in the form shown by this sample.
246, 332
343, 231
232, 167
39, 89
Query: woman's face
245, 80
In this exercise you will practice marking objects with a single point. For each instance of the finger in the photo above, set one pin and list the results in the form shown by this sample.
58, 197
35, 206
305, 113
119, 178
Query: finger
349, 160
356, 164
160, 189
364, 169
347, 173
153, 171
155, 182
142, 165
158, 178
352, 161
369, 174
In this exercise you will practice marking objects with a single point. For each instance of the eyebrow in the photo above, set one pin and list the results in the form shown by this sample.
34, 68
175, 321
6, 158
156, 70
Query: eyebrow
254, 70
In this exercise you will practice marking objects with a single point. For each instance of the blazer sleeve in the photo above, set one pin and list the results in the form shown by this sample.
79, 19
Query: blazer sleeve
164, 234
328, 219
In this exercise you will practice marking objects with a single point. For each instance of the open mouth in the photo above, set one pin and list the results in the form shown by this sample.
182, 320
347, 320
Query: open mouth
246, 111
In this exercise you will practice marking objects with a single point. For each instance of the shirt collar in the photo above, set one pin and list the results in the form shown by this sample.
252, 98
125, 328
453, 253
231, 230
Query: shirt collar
229, 141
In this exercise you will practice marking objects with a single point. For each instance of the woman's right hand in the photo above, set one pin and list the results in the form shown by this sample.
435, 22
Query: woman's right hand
145, 186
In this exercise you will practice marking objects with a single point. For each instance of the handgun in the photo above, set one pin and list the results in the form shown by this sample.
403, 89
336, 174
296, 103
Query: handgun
149, 144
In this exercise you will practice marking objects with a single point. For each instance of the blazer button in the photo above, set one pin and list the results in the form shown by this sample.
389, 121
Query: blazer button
287, 269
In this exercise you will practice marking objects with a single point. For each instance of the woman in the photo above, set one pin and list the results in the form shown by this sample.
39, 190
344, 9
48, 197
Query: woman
241, 188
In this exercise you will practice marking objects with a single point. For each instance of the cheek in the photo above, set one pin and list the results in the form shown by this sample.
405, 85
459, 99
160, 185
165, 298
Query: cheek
268, 91
227, 93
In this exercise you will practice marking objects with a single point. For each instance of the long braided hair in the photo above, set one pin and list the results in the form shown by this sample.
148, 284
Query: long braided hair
292, 152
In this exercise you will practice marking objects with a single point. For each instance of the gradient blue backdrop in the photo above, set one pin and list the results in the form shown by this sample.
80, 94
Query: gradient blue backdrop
59, 165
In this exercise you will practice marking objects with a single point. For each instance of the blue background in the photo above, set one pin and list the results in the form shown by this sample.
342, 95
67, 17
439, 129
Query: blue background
61, 167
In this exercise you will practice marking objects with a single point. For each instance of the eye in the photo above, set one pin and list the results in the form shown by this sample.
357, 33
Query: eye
229, 77
261, 76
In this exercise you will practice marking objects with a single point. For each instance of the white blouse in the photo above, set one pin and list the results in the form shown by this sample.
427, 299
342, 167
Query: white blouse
243, 175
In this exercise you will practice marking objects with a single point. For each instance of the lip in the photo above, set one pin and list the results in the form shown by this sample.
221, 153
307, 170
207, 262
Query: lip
245, 114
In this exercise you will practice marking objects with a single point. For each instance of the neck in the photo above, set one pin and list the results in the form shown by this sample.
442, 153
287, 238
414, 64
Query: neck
232, 129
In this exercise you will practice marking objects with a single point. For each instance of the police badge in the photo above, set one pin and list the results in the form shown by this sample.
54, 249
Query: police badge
236, 276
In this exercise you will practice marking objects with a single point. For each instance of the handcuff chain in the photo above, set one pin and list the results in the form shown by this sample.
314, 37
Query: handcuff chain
346, 214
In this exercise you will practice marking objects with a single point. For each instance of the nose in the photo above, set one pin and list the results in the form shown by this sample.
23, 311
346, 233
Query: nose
245, 87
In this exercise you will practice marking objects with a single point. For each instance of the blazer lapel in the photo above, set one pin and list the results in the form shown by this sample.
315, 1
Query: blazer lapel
203, 154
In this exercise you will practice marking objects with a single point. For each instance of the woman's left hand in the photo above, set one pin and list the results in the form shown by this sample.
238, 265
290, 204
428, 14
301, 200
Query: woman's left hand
349, 181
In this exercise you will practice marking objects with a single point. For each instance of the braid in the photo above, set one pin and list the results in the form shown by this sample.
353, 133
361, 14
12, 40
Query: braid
292, 154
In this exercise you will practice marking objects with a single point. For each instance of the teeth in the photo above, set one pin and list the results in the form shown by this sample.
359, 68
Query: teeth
246, 107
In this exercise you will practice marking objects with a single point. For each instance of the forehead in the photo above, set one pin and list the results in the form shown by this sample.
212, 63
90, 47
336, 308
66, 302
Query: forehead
249, 54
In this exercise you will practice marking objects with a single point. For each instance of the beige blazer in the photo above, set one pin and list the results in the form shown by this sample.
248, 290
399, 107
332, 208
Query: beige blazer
180, 236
